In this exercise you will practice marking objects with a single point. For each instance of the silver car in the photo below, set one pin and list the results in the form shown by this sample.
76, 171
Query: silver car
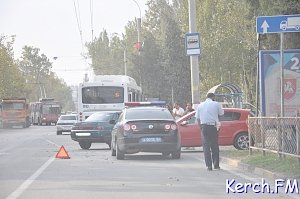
65, 123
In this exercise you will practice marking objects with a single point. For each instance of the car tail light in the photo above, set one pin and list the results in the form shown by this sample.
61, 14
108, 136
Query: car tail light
80, 116
126, 127
167, 127
170, 127
133, 127
173, 127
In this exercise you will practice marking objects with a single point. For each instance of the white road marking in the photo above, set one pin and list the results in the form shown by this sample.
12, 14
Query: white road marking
30, 180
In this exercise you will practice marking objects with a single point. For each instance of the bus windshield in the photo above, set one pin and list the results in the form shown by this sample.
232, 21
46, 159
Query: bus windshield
102, 95
13, 106
51, 109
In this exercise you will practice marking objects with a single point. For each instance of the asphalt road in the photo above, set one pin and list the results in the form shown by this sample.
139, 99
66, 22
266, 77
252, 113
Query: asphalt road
29, 170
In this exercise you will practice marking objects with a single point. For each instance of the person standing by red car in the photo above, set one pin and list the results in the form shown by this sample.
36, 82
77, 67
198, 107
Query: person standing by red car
207, 115
188, 108
177, 111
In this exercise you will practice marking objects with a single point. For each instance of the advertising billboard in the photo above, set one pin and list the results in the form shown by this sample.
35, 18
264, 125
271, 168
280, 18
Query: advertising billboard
270, 82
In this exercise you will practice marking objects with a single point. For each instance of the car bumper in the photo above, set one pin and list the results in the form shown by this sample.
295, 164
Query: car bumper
91, 136
134, 144
64, 128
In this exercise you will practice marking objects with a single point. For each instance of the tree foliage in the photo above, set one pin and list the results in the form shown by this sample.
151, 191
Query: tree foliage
30, 76
11, 80
228, 44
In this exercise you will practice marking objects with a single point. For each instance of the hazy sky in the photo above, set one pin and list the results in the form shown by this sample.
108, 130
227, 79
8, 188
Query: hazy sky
51, 26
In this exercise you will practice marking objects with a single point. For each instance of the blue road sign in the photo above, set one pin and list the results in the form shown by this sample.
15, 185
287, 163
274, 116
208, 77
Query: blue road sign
192, 44
278, 24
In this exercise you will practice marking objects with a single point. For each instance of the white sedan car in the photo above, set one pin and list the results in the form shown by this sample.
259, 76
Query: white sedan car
65, 123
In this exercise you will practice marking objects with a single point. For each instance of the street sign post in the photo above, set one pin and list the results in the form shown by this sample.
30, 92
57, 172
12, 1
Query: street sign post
192, 44
278, 24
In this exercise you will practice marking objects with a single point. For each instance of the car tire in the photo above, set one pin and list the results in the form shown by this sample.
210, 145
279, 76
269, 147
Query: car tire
113, 150
85, 144
176, 154
241, 141
58, 132
119, 154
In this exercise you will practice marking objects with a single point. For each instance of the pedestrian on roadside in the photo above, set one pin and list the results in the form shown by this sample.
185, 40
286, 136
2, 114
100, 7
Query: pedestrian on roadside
207, 115
169, 107
177, 111
188, 108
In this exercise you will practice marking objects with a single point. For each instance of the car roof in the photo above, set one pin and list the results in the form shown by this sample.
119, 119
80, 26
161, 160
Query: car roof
98, 112
69, 115
146, 107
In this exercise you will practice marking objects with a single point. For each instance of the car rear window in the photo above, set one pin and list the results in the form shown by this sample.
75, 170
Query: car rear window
230, 116
68, 117
97, 117
145, 114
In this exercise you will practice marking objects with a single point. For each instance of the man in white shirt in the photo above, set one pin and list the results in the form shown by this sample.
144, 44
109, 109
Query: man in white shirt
177, 111
207, 115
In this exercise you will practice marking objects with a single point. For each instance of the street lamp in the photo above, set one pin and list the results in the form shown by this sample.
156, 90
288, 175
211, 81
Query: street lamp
139, 20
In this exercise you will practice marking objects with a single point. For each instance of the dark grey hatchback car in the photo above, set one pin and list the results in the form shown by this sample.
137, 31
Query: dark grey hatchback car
145, 129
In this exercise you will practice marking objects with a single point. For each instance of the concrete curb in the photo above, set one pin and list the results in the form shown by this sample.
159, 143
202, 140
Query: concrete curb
258, 171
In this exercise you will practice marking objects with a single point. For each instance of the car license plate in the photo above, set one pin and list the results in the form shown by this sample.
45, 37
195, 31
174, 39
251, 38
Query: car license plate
150, 140
83, 134
67, 128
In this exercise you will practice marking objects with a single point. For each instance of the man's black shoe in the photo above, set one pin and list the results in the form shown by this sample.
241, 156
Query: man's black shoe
217, 168
209, 168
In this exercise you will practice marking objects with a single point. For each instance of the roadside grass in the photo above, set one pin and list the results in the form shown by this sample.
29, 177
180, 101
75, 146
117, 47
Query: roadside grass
285, 166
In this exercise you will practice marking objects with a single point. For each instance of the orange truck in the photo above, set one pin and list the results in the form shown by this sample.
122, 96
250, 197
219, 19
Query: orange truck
15, 112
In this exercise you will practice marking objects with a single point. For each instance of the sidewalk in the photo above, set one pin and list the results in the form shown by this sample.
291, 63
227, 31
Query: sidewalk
269, 166
256, 170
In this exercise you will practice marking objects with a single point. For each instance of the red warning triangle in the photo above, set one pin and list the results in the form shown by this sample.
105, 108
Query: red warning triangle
62, 153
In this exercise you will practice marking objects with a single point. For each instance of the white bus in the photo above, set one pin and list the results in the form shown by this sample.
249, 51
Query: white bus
106, 92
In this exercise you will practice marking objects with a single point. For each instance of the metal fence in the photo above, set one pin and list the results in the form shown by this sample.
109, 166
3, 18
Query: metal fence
279, 135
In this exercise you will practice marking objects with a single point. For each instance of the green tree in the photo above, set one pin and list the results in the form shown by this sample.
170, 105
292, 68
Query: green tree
11, 80
43, 82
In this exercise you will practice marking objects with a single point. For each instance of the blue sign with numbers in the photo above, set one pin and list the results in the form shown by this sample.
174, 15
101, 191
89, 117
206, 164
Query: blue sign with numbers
278, 24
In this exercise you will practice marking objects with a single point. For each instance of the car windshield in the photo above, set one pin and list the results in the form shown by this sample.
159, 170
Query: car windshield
99, 117
67, 117
135, 114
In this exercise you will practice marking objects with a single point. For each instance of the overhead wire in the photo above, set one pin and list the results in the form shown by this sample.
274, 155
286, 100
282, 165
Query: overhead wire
92, 13
77, 14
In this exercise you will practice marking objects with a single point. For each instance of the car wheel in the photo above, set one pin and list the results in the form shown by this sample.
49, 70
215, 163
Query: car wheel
58, 133
241, 141
85, 145
113, 150
119, 154
176, 154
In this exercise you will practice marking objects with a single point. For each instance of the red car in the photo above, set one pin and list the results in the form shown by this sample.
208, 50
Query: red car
233, 131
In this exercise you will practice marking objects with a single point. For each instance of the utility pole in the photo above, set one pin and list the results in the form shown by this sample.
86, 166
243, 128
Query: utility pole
195, 82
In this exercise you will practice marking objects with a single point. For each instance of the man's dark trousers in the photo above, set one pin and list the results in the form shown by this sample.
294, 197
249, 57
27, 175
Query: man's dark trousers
210, 145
